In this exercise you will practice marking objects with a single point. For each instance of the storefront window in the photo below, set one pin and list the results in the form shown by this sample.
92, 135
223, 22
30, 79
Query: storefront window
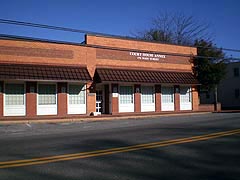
167, 94
236, 72
185, 95
46, 94
147, 94
126, 95
76, 94
14, 94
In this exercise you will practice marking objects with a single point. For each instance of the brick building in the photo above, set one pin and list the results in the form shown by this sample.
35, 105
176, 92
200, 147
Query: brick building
104, 75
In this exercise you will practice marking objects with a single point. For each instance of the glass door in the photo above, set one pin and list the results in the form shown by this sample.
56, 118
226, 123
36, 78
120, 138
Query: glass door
99, 101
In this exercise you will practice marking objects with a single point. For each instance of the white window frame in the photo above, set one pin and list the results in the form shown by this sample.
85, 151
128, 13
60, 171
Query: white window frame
50, 109
167, 106
77, 108
148, 107
14, 110
126, 107
186, 105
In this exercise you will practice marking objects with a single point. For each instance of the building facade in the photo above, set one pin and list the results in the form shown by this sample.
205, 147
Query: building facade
229, 88
105, 75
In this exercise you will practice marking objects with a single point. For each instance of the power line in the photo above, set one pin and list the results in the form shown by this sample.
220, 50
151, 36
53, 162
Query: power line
21, 23
59, 28
44, 26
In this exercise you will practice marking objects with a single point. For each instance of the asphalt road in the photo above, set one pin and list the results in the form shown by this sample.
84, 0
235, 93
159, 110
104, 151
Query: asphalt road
204, 158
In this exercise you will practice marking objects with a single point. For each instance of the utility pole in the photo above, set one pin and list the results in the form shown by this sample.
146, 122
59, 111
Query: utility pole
215, 97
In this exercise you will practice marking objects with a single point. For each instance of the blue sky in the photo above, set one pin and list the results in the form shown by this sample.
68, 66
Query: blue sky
118, 17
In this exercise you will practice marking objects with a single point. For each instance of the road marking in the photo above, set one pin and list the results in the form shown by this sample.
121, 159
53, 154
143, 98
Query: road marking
67, 157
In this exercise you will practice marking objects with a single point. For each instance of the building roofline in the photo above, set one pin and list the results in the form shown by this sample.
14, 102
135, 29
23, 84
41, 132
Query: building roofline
32, 39
25, 38
135, 39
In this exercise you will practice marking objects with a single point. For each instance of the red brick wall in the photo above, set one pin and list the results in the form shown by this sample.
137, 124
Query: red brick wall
206, 107
29, 52
91, 60
209, 107
176, 98
1, 98
141, 45
63, 54
115, 108
143, 65
31, 99
158, 98
195, 100
122, 59
12, 51
137, 98
91, 98
62, 99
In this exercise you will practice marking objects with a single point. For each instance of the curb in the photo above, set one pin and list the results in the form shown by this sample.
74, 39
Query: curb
95, 119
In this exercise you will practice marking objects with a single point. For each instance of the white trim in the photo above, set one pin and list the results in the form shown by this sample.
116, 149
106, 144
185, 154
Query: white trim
125, 107
77, 108
150, 107
51, 109
167, 106
14, 110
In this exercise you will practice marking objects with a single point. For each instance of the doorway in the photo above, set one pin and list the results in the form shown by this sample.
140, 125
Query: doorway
99, 101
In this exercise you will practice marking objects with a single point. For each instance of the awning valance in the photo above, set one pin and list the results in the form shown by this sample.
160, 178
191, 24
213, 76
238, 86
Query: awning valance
144, 76
43, 72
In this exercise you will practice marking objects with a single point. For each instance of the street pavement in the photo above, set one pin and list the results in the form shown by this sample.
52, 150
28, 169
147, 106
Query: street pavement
209, 156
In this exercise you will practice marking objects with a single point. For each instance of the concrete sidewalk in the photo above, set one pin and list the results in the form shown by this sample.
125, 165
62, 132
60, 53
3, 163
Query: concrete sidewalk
95, 118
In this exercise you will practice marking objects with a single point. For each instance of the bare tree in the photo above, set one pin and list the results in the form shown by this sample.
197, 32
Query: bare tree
176, 28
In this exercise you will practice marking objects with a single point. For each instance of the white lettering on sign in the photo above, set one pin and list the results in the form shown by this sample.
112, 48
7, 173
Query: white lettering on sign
147, 56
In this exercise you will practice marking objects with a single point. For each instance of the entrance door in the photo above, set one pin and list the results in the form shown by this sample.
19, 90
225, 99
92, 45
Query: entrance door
14, 100
185, 98
99, 101
167, 99
126, 103
76, 99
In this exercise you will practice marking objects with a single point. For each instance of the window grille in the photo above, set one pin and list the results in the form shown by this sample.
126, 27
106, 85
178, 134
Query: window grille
147, 94
47, 94
77, 94
185, 95
14, 94
126, 95
167, 94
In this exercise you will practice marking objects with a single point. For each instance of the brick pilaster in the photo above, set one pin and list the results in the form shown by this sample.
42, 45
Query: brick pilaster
31, 99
